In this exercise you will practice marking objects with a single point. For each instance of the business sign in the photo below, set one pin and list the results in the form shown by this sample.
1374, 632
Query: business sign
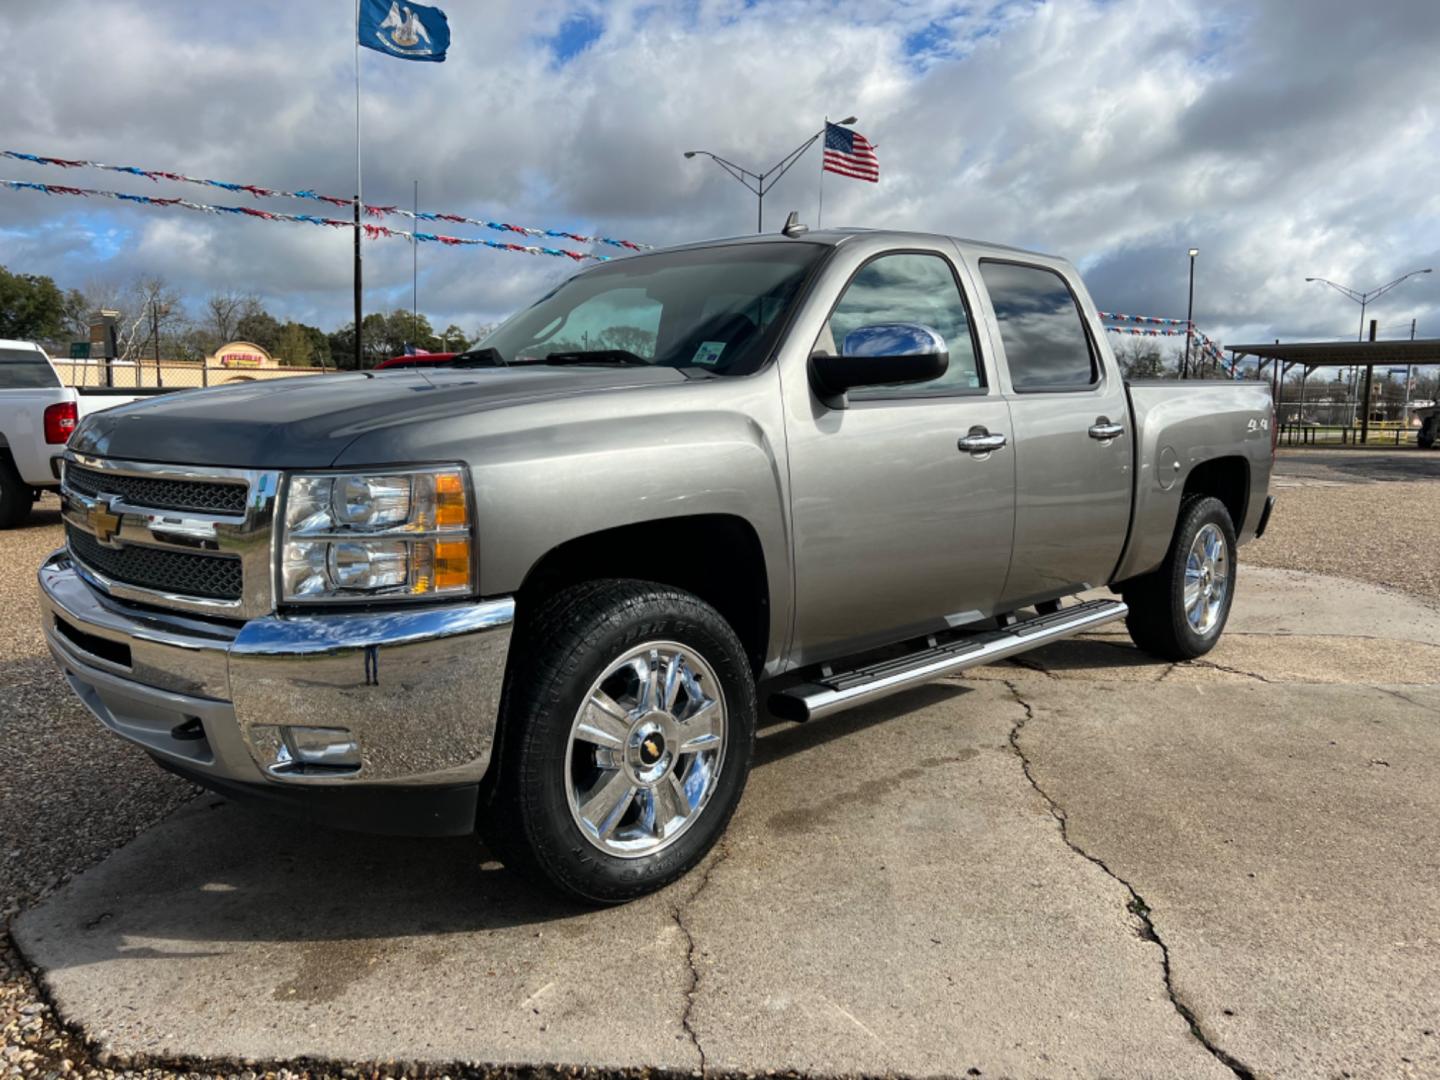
80, 350
242, 354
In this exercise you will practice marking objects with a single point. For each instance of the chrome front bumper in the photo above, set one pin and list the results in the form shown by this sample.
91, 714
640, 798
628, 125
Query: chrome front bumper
419, 689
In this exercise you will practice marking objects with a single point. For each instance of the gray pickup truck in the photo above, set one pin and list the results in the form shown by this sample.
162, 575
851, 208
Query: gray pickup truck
547, 593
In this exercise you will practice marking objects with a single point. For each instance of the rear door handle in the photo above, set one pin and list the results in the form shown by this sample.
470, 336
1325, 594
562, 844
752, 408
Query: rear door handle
980, 441
1104, 429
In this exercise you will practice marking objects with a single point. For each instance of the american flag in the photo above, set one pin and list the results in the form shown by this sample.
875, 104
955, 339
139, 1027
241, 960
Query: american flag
850, 154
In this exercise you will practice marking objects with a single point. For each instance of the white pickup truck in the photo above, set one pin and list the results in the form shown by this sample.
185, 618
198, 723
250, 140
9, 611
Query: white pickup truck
37, 414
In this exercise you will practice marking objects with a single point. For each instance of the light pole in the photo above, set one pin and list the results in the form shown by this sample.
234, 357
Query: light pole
1189, 315
762, 182
1364, 298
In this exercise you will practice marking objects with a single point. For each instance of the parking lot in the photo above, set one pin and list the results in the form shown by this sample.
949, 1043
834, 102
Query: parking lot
1083, 863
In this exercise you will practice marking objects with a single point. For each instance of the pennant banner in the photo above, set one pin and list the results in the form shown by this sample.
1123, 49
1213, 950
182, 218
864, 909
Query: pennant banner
1207, 346
372, 231
334, 200
1152, 319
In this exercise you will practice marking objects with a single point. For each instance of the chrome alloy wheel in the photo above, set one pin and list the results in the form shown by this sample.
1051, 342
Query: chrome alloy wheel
1207, 579
646, 749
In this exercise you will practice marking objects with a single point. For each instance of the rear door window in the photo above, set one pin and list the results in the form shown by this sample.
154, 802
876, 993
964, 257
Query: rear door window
1046, 346
25, 369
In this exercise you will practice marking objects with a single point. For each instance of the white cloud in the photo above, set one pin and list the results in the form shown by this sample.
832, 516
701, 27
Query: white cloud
1284, 140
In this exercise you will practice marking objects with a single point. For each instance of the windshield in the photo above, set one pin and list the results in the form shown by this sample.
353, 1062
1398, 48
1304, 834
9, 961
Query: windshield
25, 369
714, 310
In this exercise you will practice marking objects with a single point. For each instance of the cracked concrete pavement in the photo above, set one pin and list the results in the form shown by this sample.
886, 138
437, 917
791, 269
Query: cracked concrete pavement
1088, 864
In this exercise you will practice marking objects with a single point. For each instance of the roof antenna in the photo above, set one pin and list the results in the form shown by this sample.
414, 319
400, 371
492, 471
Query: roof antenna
792, 225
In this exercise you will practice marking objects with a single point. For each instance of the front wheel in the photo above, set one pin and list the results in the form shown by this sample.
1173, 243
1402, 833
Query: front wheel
1178, 611
629, 724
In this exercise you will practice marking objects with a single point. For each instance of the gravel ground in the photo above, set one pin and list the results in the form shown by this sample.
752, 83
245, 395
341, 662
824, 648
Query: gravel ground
70, 793
1350, 514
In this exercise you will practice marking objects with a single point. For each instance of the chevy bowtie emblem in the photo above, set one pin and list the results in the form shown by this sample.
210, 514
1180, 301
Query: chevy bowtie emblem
103, 522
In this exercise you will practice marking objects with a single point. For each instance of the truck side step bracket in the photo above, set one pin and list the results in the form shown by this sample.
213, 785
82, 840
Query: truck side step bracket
833, 691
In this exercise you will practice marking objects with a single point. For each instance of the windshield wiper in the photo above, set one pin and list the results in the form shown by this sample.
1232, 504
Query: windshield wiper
479, 358
588, 356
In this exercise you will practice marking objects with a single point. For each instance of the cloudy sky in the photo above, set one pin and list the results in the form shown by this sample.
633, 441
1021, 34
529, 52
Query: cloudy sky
1283, 139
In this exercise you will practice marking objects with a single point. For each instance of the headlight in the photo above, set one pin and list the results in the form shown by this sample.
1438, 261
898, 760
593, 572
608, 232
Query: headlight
390, 535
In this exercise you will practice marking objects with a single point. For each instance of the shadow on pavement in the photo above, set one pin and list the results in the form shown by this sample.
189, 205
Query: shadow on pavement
216, 872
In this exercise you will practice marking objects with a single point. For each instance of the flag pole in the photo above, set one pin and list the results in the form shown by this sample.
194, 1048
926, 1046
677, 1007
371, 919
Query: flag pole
820, 213
359, 317
415, 270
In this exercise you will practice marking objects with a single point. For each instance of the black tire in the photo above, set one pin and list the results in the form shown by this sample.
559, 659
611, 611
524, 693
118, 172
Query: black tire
1157, 621
16, 496
571, 640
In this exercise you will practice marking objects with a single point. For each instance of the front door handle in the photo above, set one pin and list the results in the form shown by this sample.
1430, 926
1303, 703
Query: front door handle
980, 441
1103, 429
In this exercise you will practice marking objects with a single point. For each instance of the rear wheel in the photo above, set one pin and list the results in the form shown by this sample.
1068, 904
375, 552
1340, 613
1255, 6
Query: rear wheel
1179, 611
629, 723
16, 496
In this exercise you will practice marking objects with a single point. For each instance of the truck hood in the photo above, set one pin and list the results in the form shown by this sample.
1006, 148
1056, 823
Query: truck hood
308, 421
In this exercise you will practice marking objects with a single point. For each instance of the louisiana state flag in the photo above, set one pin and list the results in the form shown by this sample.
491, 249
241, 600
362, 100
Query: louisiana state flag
409, 31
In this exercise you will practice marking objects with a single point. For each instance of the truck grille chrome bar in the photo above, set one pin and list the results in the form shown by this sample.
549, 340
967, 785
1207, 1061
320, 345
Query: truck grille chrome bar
194, 539
159, 493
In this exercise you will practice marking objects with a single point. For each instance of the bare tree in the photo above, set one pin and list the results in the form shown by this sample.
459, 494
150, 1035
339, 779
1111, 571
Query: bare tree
1140, 358
147, 306
151, 310
223, 311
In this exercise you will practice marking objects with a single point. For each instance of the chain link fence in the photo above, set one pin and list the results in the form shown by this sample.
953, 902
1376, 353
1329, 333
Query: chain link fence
168, 374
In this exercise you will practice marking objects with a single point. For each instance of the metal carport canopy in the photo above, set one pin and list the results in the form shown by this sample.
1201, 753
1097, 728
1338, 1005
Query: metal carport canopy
1366, 354
1345, 353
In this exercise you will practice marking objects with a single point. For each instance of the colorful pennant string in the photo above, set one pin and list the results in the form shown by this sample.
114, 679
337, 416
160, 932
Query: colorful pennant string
1207, 346
1152, 319
260, 192
372, 231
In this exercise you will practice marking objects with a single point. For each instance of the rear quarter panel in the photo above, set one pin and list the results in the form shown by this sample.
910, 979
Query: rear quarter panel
1190, 423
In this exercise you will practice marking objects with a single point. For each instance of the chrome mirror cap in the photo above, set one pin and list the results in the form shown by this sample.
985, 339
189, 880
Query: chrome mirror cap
893, 339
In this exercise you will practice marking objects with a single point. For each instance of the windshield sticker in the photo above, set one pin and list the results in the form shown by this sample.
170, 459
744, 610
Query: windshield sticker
709, 353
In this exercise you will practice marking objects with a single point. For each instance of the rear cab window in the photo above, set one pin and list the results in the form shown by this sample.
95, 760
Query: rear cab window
1047, 347
25, 369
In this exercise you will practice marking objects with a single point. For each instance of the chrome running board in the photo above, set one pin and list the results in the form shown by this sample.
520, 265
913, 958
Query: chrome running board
844, 690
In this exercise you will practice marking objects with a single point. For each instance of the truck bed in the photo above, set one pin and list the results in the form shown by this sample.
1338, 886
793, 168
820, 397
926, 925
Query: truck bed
1184, 425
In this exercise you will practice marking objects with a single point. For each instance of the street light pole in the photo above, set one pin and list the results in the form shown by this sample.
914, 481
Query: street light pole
1364, 299
762, 182
1189, 315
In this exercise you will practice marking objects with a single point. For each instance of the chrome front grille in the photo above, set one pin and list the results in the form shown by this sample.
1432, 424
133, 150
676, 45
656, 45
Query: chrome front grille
213, 577
194, 539
159, 493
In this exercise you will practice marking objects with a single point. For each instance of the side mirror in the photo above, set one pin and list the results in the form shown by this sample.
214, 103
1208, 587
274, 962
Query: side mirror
880, 354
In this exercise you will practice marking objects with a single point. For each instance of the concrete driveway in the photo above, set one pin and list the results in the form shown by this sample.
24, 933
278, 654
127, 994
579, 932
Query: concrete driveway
1087, 864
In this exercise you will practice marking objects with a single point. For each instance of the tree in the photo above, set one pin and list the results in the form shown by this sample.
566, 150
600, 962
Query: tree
75, 315
31, 307
384, 336
257, 325
1140, 358
223, 311
298, 345
149, 311
453, 339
